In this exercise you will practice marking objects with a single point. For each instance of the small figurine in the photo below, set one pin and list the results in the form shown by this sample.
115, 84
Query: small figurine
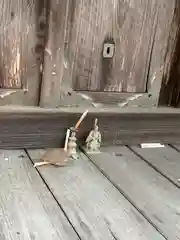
93, 141
72, 153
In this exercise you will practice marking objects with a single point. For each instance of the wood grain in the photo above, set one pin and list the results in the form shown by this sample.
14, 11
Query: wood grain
131, 26
28, 210
163, 46
144, 49
164, 160
150, 192
19, 68
55, 50
38, 128
93, 205
170, 90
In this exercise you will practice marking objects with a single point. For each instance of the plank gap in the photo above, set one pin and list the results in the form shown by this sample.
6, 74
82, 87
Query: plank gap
155, 195
123, 193
54, 197
153, 166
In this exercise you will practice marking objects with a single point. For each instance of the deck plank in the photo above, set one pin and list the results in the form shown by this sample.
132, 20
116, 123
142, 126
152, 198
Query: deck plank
27, 209
176, 147
93, 205
150, 192
165, 160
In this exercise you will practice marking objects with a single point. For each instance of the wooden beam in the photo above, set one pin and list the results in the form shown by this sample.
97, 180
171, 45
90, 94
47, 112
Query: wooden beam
162, 48
55, 53
38, 128
170, 90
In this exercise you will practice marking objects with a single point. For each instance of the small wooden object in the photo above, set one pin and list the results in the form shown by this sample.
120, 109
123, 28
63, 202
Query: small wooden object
81, 119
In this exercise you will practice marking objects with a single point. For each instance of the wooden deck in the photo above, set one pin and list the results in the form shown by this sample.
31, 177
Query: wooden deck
124, 193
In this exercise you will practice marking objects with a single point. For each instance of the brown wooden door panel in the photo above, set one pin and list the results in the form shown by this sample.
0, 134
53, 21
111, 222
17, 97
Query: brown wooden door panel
132, 30
73, 60
19, 69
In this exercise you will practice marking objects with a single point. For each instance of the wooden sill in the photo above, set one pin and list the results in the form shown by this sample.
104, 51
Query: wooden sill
30, 127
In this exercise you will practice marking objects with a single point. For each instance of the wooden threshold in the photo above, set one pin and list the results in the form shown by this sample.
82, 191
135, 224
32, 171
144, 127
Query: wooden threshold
31, 127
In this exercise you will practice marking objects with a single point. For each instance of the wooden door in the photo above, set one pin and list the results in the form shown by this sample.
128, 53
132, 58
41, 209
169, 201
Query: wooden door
122, 23
74, 62
19, 66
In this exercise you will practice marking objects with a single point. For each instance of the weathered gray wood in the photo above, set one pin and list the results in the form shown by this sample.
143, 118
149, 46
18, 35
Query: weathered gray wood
144, 49
165, 160
54, 57
170, 90
177, 147
151, 193
164, 44
38, 128
107, 99
18, 63
95, 208
133, 64
27, 209
122, 22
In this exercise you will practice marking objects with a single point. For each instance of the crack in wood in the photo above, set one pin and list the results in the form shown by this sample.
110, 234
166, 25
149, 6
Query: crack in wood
110, 229
53, 195
123, 193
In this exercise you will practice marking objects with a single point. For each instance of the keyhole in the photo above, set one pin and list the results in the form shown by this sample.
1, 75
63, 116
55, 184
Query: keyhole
12, 15
108, 50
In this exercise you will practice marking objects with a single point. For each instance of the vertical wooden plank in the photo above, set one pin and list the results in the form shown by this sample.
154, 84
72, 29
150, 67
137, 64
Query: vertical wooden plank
54, 60
164, 160
12, 33
17, 41
170, 91
165, 40
18, 66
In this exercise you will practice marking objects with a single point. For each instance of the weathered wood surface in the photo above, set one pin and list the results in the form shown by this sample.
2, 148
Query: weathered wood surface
95, 208
177, 147
164, 44
107, 99
38, 128
96, 21
19, 68
152, 194
144, 33
170, 90
55, 53
137, 28
164, 160
27, 209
